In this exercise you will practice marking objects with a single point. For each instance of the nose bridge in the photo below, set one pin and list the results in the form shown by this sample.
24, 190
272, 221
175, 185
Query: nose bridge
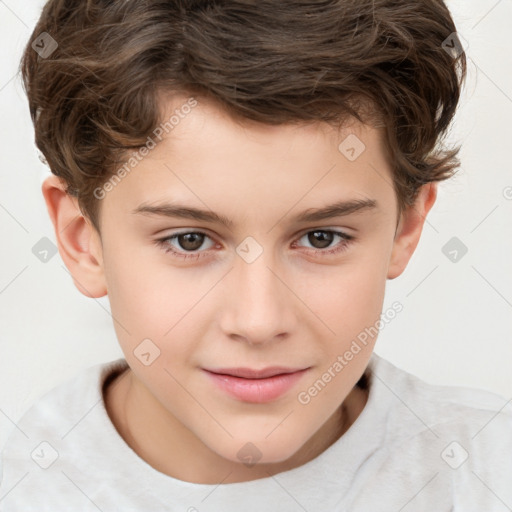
257, 280
260, 304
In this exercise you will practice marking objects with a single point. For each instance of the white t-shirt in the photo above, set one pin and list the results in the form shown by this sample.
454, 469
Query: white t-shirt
415, 447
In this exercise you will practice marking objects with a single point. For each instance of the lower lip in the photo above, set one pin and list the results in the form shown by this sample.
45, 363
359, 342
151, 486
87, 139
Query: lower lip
257, 390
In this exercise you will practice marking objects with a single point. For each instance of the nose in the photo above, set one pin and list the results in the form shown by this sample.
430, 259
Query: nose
260, 307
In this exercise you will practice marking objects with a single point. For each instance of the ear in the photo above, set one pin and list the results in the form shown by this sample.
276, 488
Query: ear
410, 228
78, 241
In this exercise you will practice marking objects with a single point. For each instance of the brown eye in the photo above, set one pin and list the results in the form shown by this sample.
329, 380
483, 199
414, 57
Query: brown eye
186, 245
190, 241
320, 239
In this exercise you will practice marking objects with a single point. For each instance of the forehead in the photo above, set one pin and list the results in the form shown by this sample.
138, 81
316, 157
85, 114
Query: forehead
185, 118
206, 158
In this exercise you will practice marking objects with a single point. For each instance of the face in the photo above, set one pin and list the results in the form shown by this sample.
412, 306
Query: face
267, 276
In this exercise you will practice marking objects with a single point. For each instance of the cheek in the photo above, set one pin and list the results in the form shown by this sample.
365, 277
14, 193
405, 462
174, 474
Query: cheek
347, 298
152, 300
349, 306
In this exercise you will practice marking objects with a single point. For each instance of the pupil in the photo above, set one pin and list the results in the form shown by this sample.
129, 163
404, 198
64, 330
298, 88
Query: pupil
190, 241
325, 238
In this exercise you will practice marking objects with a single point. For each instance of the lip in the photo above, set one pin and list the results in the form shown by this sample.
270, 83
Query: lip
249, 373
264, 386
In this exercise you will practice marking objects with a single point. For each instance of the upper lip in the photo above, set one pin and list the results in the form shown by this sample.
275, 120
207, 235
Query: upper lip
249, 373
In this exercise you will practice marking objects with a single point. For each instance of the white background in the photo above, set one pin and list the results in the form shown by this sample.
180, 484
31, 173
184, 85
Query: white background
456, 325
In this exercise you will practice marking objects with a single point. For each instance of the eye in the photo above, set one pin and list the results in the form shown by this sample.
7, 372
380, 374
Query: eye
189, 241
323, 238
187, 244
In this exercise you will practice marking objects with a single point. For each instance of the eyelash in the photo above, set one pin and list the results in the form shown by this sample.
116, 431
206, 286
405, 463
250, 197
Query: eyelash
346, 240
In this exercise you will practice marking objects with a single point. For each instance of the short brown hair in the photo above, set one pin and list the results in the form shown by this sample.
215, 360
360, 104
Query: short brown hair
96, 96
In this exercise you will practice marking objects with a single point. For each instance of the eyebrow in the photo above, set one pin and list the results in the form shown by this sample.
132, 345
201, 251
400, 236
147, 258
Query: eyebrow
339, 209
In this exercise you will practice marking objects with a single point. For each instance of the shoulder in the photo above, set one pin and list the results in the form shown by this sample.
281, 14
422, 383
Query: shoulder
432, 404
69, 399
38, 439
455, 442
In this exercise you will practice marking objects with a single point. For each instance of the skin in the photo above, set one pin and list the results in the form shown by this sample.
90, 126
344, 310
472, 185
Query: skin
293, 306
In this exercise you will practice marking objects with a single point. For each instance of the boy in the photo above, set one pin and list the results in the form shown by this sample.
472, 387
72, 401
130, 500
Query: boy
297, 141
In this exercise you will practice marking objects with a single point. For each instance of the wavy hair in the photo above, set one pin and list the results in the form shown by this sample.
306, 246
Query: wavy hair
289, 61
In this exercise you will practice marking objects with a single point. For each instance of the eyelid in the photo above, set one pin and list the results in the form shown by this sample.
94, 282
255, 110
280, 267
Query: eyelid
164, 242
165, 239
346, 239
333, 229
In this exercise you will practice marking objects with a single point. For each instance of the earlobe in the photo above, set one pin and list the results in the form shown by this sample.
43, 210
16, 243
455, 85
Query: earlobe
78, 241
410, 229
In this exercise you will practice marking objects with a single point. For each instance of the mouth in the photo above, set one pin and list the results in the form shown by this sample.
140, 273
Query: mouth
256, 386
249, 373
